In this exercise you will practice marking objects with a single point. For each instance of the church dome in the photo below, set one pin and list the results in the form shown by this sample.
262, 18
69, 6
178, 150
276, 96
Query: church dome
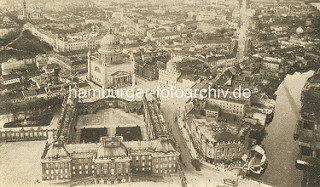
109, 41
299, 30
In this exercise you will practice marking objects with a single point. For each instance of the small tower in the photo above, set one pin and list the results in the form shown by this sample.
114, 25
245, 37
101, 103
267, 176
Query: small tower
89, 65
24, 12
133, 78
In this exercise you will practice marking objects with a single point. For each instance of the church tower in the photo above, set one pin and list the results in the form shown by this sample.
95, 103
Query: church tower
24, 11
89, 65
132, 70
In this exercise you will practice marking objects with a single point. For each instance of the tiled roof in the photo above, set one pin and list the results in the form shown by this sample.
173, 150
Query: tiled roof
10, 77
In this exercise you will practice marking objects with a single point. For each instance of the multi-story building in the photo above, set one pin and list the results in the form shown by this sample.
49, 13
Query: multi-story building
147, 65
171, 77
13, 65
10, 79
29, 14
272, 66
212, 111
216, 141
7, 26
309, 143
113, 159
228, 105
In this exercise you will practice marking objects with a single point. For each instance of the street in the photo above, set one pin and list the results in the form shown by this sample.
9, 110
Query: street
170, 112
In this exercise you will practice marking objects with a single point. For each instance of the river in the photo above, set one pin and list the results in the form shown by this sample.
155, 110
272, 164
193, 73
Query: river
280, 147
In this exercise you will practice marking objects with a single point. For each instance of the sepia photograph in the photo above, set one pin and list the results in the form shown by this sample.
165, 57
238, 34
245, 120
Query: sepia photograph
161, 93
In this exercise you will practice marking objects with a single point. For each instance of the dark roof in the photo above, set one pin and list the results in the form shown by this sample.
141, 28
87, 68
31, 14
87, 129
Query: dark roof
15, 95
52, 66
10, 77
28, 93
228, 73
226, 136
83, 85
79, 62
212, 108
120, 73
41, 91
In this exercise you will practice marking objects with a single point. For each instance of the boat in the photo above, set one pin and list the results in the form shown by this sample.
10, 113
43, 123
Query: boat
257, 160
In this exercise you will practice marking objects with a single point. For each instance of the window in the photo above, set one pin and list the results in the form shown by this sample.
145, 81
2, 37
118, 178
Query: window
97, 69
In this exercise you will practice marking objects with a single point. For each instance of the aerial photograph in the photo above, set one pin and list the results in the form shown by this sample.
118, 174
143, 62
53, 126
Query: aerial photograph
160, 93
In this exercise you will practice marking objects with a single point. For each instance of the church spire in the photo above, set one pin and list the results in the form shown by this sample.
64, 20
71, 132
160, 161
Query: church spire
89, 52
24, 8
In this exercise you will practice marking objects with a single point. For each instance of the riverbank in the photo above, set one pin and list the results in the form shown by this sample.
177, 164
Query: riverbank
310, 99
308, 159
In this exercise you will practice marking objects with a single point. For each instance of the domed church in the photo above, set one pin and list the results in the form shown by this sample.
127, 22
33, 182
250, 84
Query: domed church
109, 67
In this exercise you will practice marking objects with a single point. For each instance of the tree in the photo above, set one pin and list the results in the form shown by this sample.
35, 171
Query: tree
197, 164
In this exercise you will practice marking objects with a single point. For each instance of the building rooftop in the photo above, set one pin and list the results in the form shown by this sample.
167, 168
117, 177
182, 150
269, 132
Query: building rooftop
217, 132
10, 77
212, 108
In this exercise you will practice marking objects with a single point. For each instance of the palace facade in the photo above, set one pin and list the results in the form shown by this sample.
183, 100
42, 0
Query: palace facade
110, 162
113, 159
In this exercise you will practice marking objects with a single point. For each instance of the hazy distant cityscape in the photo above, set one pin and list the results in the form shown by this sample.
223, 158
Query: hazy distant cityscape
160, 93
